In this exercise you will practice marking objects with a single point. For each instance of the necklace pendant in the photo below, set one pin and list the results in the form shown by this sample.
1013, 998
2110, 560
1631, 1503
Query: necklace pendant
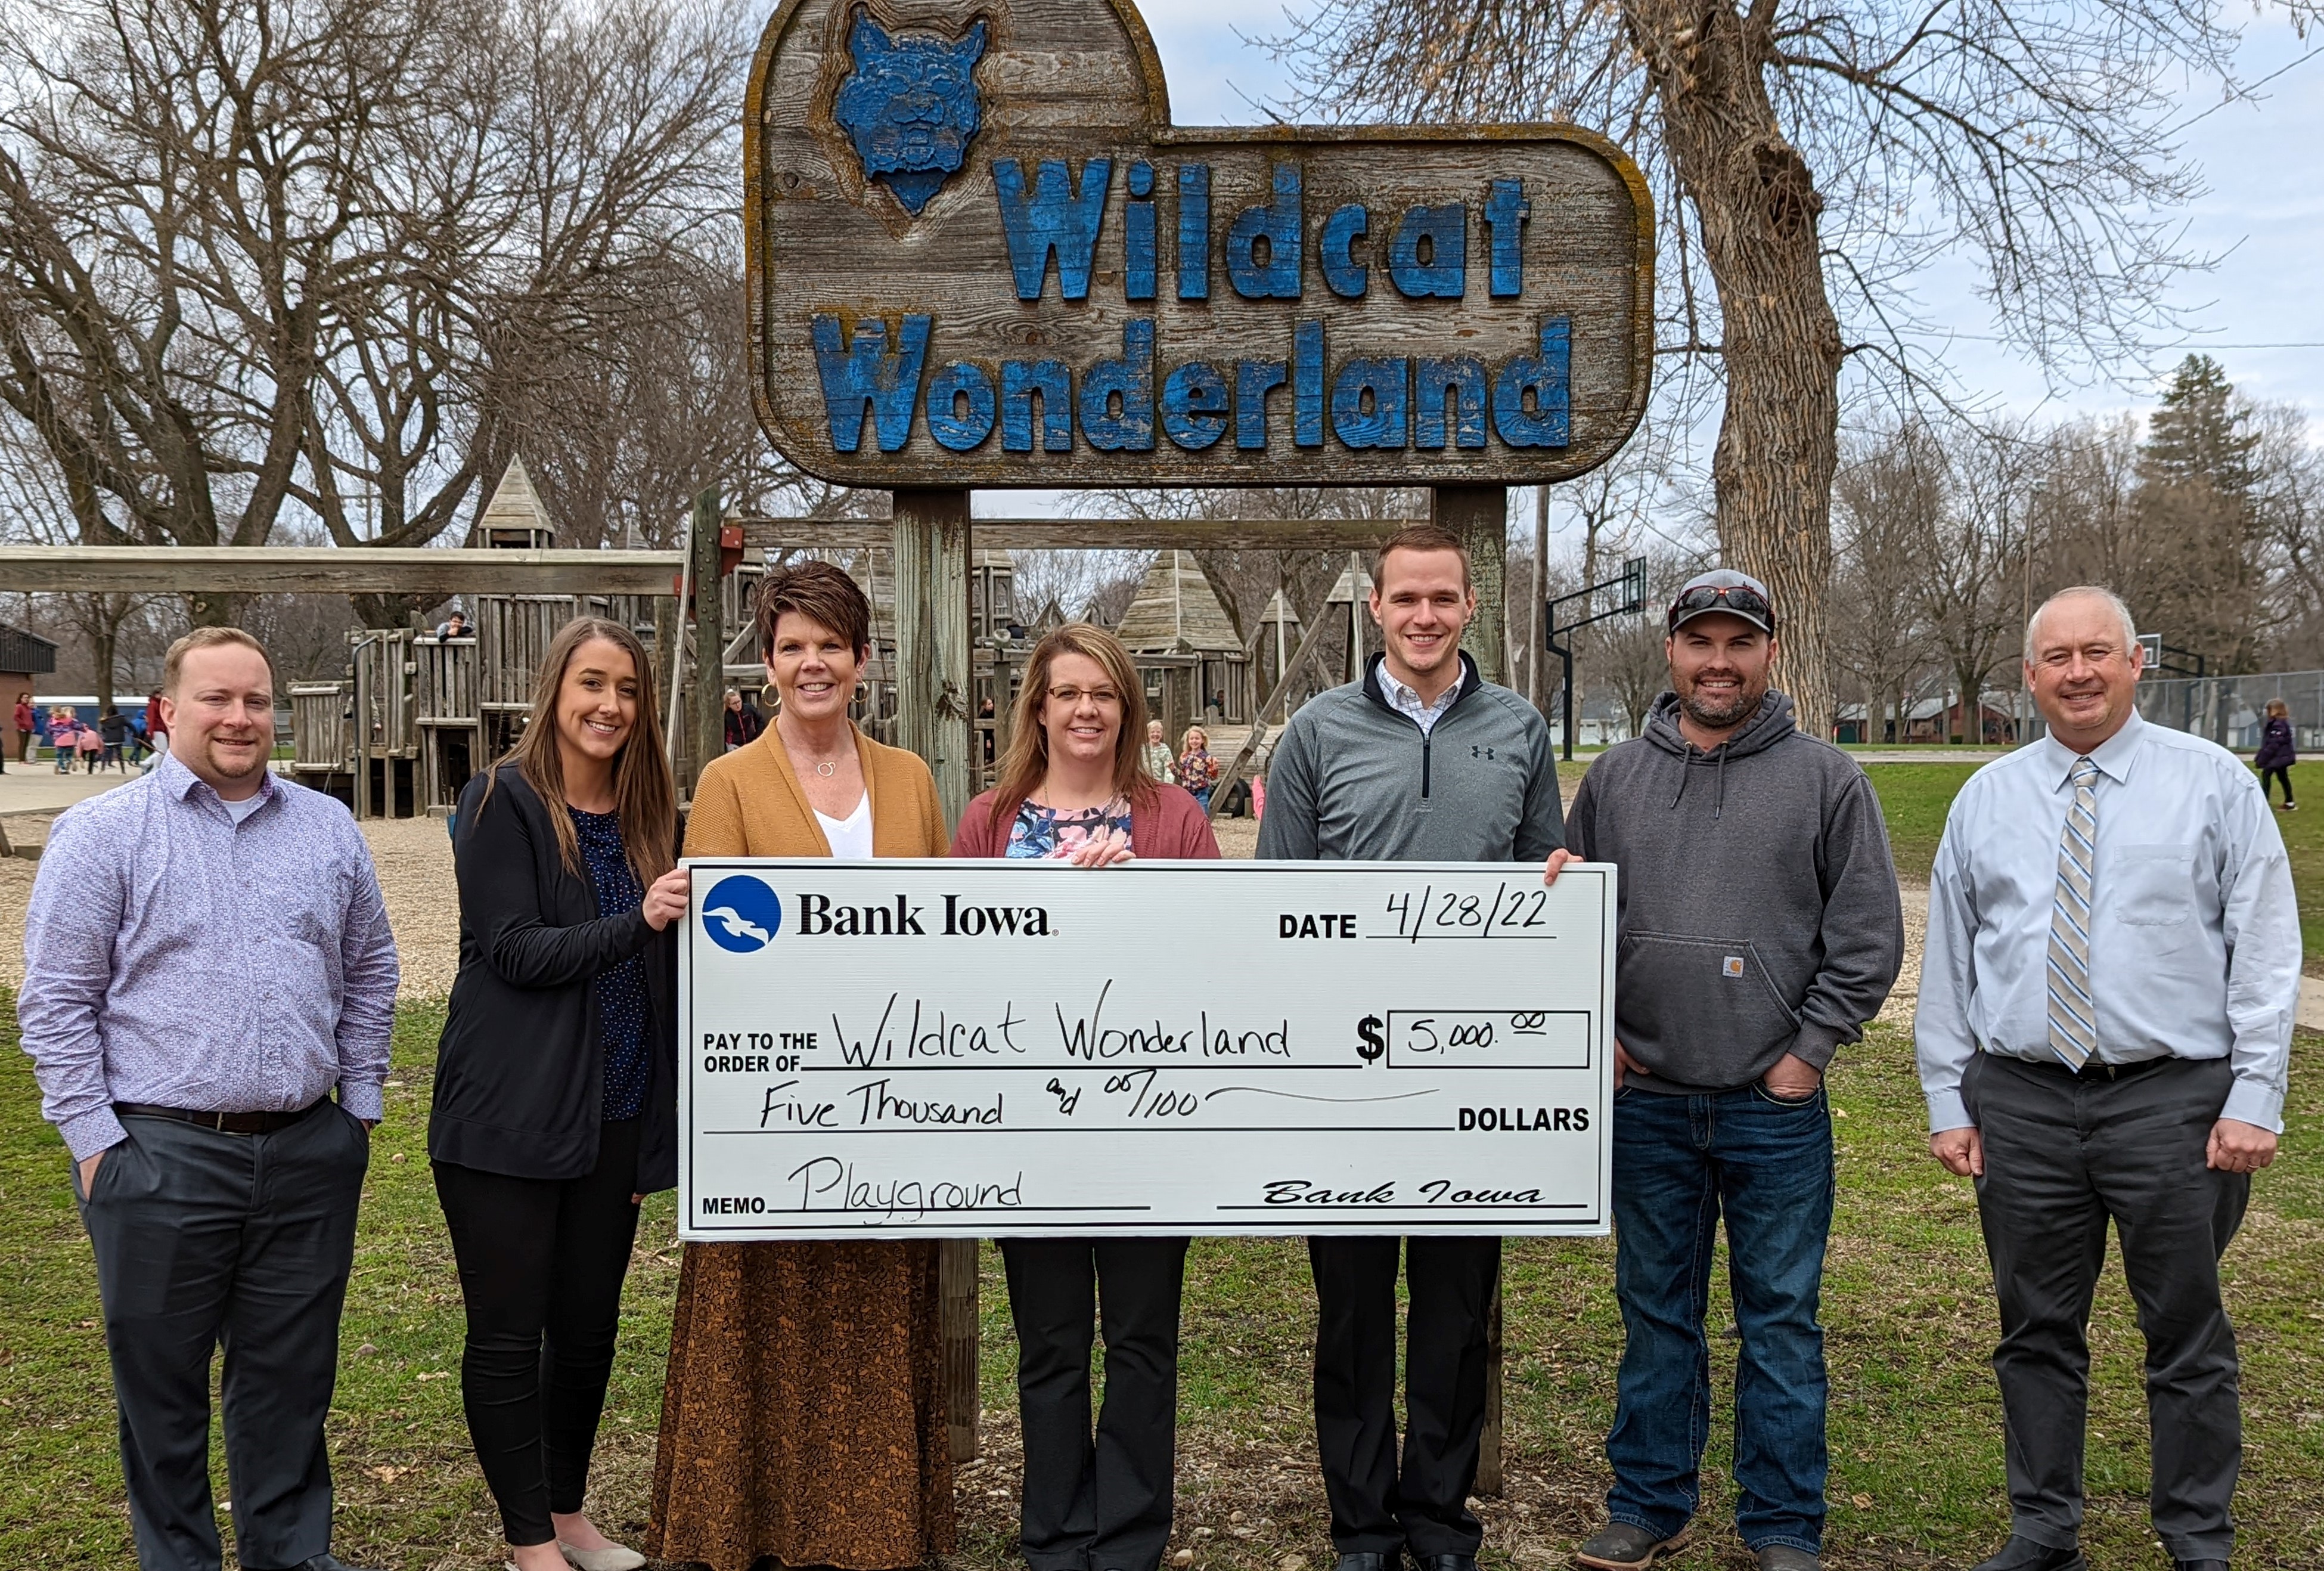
826, 769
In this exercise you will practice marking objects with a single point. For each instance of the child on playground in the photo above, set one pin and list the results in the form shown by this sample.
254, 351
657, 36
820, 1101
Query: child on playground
90, 742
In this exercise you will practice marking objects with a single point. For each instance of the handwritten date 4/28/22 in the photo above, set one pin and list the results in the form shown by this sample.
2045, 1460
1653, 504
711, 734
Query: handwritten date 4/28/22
1509, 911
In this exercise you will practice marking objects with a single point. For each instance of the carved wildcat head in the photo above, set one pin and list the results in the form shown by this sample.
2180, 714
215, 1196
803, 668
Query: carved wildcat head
910, 105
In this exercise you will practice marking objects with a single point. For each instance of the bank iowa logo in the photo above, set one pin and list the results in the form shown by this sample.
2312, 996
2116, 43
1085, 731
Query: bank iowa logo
741, 914
911, 107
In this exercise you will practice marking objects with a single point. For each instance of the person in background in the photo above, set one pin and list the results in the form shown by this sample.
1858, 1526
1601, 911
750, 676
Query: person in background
1760, 928
27, 731
1074, 786
2103, 1034
63, 737
455, 626
1196, 770
90, 742
1157, 758
555, 1095
786, 1357
206, 959
741, 721
113, 731
1422, 759
2277, 755
157, 729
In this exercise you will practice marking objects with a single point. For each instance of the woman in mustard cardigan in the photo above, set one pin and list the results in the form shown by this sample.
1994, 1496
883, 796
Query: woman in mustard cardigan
803, 1417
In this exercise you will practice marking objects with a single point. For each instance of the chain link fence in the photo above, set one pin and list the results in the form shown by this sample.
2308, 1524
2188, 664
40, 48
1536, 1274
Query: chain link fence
2231, 710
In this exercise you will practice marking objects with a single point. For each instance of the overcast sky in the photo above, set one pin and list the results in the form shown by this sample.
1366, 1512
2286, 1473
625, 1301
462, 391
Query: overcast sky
2263, 217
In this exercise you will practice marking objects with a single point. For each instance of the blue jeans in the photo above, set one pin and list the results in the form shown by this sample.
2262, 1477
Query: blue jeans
1679, 1161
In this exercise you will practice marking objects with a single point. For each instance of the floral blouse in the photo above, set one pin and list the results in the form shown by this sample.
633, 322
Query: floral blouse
1042, 832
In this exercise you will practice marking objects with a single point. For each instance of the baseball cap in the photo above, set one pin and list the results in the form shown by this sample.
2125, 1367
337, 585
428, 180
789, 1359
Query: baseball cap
1724, 590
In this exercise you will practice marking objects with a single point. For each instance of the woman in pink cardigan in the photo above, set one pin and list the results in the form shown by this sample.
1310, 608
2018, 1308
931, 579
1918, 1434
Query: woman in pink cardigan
1074, 787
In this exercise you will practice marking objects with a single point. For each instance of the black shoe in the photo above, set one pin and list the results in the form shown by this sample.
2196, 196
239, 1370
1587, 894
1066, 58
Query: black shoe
1368, 1560
1625, 1546
2201, 1565
324, 1562
2025, 1554
1786, 1557
1445, 1562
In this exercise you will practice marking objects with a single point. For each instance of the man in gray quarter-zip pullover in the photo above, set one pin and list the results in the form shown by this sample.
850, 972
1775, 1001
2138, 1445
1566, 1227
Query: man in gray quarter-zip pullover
1422, 759
1760, 930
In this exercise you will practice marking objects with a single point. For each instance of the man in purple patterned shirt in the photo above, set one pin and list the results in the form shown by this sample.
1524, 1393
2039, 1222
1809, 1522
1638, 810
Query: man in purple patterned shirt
206, 958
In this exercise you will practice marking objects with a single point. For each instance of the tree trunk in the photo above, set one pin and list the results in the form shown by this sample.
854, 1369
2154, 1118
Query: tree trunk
104, 645
1755, 206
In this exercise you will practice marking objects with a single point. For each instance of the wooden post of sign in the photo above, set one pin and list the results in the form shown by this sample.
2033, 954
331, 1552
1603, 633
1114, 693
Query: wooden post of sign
704, 717
932, 651
1479, 515
933, 681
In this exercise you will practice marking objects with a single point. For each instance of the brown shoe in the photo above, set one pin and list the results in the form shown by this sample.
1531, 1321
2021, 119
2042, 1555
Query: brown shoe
1626, 1547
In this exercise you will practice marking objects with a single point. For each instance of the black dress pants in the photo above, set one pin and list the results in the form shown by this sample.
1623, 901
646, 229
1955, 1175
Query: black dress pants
1377, 1507
541, 1263
206, 1240
2065, 1154
1102, 1505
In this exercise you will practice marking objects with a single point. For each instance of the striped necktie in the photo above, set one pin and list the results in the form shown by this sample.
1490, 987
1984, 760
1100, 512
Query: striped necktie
2074, 1011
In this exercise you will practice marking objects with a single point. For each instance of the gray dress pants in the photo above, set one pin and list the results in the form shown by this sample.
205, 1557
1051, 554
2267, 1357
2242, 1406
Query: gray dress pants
2065, 1154
205, 1239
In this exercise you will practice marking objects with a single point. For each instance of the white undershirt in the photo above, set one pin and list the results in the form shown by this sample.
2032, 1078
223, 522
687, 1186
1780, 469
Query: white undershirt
850, 837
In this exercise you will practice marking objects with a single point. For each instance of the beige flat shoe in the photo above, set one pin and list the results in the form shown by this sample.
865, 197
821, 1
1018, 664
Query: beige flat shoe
613, 1557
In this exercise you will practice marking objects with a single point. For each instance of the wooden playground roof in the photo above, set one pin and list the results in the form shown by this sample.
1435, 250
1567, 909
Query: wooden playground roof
1177, 611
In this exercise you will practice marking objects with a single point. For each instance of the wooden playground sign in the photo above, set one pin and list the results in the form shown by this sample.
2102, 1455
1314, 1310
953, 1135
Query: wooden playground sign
980, 255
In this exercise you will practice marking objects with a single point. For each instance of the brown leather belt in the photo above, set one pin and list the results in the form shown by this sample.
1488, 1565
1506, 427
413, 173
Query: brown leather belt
224, 1122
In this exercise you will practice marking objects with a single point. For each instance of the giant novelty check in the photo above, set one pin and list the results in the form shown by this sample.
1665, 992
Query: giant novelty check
895, 1050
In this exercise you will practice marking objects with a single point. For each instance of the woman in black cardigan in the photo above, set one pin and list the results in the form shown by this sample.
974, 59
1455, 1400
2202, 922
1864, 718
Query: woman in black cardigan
555, 1106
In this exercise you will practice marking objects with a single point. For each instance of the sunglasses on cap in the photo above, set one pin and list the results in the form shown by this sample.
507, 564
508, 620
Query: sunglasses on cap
1739, 598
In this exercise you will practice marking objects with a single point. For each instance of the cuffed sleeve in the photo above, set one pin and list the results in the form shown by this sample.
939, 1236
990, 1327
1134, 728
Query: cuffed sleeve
2260, 919
1942, 1040
369, 973
70, 927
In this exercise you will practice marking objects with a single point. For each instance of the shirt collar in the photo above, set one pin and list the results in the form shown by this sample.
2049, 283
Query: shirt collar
1405, 697
184, 784
2113, 756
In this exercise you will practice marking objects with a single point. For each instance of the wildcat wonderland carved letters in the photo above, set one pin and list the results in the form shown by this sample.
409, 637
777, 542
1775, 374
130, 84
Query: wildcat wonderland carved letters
1100, 298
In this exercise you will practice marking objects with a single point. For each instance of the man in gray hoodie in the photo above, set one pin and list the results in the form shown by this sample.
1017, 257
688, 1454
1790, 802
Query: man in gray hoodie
1760, 930
1422, 761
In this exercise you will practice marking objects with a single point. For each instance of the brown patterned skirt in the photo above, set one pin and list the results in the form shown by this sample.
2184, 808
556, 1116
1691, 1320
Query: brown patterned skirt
803, 1417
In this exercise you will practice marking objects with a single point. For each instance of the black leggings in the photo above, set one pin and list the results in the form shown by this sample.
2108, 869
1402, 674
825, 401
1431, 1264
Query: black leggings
541, 1262
2284, 774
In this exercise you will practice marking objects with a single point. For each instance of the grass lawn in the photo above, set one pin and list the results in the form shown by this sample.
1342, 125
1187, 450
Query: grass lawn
1917, 1431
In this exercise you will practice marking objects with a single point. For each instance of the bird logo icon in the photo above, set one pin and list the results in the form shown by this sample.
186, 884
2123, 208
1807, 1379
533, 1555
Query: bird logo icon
735, 925
741, 915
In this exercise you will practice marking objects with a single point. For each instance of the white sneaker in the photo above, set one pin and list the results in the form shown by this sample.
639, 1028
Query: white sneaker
611, 1557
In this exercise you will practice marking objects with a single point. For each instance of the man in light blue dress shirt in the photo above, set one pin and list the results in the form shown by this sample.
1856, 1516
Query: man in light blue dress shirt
206, 959
2104, 1031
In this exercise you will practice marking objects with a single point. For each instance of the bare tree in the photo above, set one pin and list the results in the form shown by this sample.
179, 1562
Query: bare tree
1808, 162
1966, 564
312, 255
1887, 500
